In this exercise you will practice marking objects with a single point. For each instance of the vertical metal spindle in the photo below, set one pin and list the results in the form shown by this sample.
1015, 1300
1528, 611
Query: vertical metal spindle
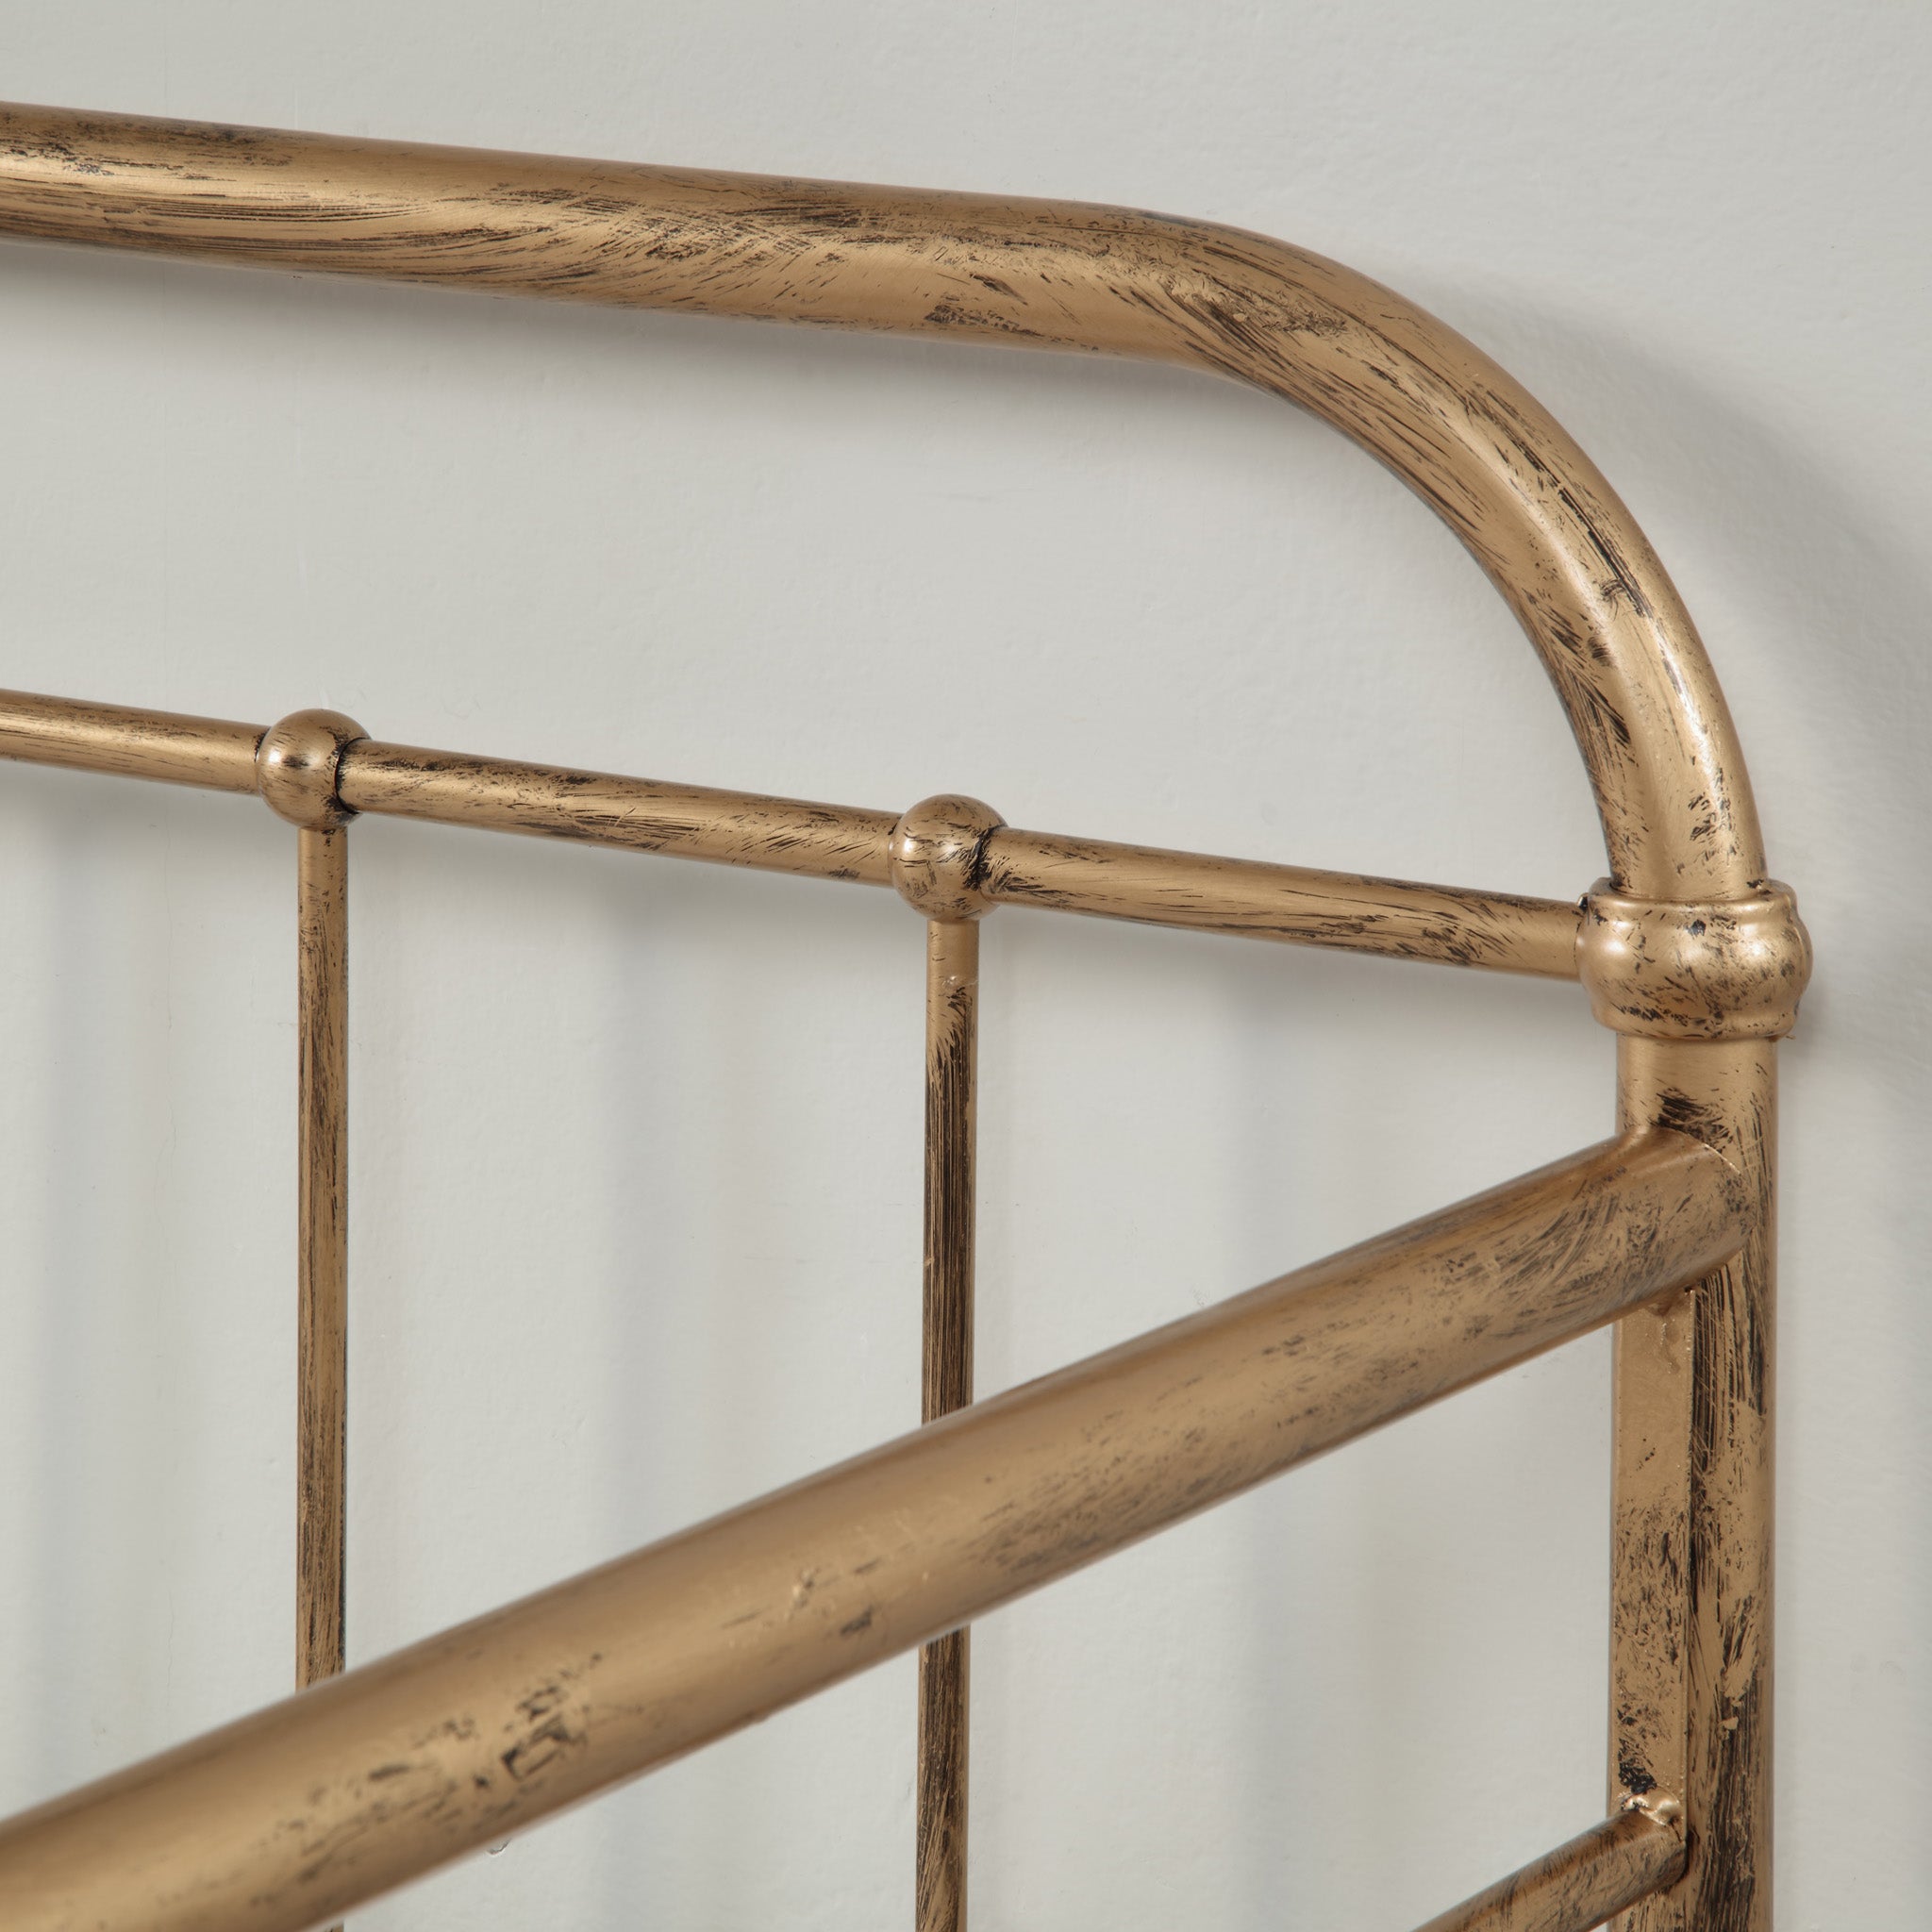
298, 772
321, 1268
938, 857
952, 1028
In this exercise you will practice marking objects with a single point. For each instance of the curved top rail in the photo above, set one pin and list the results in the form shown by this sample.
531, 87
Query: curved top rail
1679, 820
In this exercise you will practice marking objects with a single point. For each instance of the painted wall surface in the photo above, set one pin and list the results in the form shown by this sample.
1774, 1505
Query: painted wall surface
636, 1168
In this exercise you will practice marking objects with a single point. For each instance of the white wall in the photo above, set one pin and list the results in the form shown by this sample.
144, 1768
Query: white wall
636, 1214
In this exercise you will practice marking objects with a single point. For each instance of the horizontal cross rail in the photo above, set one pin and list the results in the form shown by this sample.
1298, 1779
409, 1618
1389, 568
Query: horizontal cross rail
826, 842
308, 1808
170, 748
1445, 923
1294, 904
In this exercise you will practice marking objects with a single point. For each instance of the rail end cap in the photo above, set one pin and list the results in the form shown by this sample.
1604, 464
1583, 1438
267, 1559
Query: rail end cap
1732, 969
939, 856
298, 764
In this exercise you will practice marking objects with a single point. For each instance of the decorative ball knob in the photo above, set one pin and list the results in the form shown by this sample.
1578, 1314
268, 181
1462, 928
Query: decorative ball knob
938, 855
297, 767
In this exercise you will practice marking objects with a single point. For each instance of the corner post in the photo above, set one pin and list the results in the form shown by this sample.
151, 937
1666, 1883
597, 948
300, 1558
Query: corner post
1699, 996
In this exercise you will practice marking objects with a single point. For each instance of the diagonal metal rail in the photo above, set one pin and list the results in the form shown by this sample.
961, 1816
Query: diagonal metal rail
286, 1819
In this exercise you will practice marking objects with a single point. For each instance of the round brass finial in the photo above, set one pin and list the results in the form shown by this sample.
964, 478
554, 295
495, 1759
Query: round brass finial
938, 853
296, 767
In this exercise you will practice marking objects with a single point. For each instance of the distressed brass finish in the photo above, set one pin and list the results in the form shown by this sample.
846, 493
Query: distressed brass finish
322, 1370
322, 1274
162, 745
952, 1046
298, 768
1688, 951
1678, 818
1691, 1640
1733, 970
939, 856
312, 1806
1579, 1885
639, 814
1443, 924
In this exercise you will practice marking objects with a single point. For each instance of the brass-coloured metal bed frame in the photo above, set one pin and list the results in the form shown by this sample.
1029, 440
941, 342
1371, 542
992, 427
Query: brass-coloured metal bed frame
1687, 951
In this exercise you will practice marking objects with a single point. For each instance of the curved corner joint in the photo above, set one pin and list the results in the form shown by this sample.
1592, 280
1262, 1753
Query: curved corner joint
1732, 969
298, 768
1537, 515
938, 853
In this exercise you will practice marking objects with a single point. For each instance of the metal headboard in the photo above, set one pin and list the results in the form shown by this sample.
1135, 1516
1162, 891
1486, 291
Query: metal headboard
1689, 951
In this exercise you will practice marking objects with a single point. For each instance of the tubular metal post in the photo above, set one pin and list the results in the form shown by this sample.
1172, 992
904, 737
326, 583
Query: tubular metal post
321, 1274
1691, 1624
952, 1029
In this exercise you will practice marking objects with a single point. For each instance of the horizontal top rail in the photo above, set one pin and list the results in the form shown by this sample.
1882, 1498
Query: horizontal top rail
1244, 897
832, 842
1649, 718
1446, 923
291, 1816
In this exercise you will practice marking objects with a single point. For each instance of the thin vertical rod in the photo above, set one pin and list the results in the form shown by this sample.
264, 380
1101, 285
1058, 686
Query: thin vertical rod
952, 1041
322, 1250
